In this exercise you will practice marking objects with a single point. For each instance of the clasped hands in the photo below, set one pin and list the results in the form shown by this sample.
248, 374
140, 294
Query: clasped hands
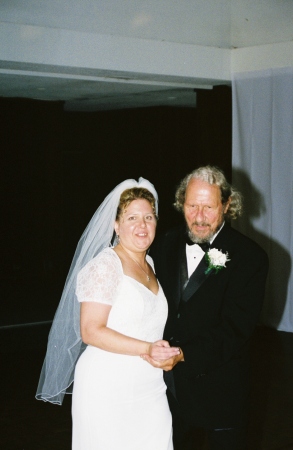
162, 356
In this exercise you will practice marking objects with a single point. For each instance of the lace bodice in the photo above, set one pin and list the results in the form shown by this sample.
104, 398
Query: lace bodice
136, 311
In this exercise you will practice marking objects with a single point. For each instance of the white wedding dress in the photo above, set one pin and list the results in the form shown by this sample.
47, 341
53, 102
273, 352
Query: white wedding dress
119, 401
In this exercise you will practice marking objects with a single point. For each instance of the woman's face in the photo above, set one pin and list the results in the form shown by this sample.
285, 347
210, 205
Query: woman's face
136, 226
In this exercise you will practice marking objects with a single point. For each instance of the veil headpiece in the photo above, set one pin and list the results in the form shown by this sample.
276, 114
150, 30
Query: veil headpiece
64, 342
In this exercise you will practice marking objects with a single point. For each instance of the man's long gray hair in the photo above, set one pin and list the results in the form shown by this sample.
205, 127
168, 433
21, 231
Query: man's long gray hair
212, 175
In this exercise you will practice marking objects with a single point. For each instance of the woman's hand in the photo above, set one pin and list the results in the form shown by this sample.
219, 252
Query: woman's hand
161, 350
168, 363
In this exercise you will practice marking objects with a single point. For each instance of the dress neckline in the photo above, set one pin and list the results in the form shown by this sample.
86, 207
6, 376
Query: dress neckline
141, 284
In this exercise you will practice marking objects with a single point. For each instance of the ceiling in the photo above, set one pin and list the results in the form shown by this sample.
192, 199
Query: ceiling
83, 94
220, 24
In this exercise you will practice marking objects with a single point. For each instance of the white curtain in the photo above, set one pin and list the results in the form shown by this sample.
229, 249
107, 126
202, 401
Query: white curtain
262, 162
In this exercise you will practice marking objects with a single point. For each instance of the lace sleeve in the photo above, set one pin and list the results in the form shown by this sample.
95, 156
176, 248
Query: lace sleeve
99, 279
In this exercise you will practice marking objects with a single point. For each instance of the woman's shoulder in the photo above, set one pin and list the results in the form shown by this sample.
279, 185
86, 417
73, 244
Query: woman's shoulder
150, 261
100, 277
106, 260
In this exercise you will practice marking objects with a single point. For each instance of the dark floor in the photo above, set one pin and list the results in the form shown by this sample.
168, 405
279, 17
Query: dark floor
28, 424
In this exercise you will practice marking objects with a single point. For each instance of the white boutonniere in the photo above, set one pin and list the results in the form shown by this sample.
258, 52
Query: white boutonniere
216, 260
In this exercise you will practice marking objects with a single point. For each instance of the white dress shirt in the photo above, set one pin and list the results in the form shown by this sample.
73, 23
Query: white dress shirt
194, 254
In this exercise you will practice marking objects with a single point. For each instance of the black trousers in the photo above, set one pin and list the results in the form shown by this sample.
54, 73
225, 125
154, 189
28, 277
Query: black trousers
187, 436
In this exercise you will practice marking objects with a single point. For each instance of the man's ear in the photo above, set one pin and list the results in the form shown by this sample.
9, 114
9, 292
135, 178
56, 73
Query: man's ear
227, 205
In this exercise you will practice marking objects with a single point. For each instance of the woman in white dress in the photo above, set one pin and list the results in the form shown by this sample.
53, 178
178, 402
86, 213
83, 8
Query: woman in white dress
119, 400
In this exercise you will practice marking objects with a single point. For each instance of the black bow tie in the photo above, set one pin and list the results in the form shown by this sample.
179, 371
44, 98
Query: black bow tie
205, 246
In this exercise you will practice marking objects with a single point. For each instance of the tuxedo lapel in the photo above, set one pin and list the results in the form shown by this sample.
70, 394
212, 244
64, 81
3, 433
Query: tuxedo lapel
195, 281
181, 273
177, 275
183, 270
198, 277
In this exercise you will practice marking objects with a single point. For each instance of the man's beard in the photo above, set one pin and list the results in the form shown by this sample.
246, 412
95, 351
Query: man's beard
205, 239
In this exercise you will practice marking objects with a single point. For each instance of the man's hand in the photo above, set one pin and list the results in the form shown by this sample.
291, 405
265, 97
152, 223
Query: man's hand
166, 364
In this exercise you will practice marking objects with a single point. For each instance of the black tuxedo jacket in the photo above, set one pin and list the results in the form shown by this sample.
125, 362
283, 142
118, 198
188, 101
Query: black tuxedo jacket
212, 320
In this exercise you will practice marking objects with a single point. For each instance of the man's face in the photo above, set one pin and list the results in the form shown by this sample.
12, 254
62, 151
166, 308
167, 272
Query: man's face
203, 210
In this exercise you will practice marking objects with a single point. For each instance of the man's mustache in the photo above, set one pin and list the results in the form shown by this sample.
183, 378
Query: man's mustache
200, 224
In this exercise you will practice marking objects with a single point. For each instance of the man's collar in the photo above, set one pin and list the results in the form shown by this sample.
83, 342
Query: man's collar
215, 235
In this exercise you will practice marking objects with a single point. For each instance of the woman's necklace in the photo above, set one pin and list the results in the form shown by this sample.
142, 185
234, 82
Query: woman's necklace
147, 275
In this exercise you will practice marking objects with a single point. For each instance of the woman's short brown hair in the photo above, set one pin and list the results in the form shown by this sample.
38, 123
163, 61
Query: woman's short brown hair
135, 193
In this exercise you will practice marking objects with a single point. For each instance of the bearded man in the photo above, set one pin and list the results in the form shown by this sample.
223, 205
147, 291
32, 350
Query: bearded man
214, 280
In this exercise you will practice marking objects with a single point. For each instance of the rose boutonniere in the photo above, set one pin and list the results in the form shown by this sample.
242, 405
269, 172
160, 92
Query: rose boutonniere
216, 260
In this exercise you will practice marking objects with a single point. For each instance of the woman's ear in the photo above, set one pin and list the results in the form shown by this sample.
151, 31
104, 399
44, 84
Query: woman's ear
116, 227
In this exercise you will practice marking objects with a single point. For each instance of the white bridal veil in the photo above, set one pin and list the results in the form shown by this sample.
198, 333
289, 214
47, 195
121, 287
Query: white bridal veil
64, 343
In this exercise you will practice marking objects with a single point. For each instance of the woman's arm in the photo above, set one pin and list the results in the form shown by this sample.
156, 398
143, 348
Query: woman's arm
94, 331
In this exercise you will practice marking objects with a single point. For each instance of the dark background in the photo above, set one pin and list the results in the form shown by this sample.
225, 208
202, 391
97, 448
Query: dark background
57, 167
